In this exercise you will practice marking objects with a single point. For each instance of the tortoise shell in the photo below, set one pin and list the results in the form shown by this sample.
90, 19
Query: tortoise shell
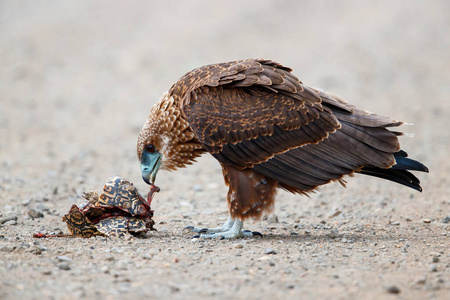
118, 211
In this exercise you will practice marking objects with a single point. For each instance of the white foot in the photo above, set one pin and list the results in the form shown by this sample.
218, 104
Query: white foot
232, 229
225, 227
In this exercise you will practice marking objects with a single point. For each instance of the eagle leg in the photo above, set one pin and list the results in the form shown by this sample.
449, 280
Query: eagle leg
225, 227
231, 229
235, 231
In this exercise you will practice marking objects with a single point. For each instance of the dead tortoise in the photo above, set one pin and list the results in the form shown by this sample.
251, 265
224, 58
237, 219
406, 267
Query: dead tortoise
120, 210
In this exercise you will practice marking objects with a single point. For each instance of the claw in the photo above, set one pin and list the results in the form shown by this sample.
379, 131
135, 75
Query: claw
256, 233
232, 229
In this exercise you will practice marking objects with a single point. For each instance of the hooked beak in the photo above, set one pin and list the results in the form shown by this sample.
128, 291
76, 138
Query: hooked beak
150, 164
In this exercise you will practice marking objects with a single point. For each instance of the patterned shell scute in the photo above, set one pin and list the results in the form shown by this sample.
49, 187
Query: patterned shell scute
121, 193
118, 211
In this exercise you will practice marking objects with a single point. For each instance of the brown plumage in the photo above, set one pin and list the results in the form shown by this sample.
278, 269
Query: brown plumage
269, 130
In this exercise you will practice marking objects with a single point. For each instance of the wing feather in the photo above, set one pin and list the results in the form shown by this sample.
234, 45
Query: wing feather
257, 114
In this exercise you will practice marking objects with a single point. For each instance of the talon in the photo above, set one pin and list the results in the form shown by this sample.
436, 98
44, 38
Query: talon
203, 230
189, 227
256, 233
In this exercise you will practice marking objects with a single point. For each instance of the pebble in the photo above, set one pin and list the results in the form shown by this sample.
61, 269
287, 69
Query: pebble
272, 219
35, 214
63, 258
433, 268
420, 280
7, 248
334, 234
64, 266
238, 246
446, 219
42, 207
335, 214
26, 202
393, 289
110, 258
11, 222
427, 221
270, 251
197, 188
8, 218
435, 259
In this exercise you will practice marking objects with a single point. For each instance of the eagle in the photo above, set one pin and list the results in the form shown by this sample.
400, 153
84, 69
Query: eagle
267, 130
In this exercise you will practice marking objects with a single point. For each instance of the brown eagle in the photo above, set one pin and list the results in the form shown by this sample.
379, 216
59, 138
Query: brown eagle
267, 130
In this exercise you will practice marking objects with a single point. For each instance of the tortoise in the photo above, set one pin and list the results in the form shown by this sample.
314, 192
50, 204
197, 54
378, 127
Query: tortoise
118, 211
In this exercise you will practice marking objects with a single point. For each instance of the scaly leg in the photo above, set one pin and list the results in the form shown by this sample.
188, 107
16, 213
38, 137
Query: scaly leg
225, 227
230, 230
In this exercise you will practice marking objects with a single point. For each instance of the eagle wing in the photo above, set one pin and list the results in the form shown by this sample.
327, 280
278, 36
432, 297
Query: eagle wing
256, 114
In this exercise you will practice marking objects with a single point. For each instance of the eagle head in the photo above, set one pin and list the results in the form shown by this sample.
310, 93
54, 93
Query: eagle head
166, 141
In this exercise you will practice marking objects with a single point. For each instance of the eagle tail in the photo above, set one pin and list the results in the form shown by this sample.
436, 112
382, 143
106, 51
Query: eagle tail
399, 172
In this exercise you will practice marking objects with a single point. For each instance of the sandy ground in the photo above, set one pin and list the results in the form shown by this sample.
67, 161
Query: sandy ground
78, 79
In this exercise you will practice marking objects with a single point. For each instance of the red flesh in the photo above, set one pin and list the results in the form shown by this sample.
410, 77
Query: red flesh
153, 189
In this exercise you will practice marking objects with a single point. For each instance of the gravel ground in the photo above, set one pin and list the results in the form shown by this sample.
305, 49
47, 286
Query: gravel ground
77, 80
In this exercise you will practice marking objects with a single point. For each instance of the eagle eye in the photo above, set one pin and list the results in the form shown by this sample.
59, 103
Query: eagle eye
150, 148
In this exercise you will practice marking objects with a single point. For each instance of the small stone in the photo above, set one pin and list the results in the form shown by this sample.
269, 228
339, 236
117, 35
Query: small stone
270, 251
408, 219
7, 248
34, 214
334, 234
433, 268
446, 219
238, 246
427, 220
335, 214
63, 259
435, 259
42, 207
8, 218
197, 188
64, 266
420, 280
393, 289
26, 202
47, 272
395, 223
11, 222
272, 219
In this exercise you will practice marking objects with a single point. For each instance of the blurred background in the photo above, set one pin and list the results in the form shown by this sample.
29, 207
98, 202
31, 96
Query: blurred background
78, 78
